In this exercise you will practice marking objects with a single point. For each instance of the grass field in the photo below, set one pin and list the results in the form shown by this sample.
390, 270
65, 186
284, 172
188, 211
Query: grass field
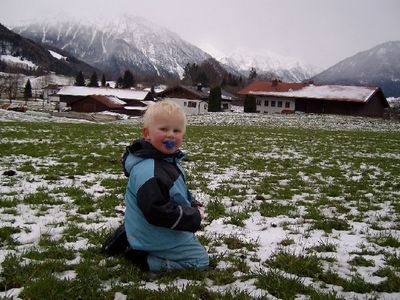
297, 207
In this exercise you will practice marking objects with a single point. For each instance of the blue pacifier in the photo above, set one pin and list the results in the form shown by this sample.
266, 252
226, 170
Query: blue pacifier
169, 144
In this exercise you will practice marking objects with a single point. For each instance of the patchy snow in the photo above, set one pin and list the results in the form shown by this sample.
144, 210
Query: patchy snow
57, 55
267, 232
18, 61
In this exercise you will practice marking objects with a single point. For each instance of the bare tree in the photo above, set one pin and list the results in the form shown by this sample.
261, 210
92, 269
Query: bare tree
10, 86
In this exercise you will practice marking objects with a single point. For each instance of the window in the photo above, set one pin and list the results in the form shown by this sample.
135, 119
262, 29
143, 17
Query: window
258, 102
266, 103
279, 103
225, 106
273, 103
287, 104
192, 104
185, 103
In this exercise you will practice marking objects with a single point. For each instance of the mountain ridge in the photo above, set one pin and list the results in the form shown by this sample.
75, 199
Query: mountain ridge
285, 68
131, 42
124, 43
377, 66
31, 57
147, 48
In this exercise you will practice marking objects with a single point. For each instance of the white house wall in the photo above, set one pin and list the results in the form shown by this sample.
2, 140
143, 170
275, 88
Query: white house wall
190, 106
274, 105
226, 105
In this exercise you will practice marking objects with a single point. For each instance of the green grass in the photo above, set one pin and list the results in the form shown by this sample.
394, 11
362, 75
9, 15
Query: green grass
361, 261
301, 265
281, 204
330, 224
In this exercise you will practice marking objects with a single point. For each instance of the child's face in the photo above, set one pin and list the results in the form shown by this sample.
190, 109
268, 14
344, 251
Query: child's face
165, 133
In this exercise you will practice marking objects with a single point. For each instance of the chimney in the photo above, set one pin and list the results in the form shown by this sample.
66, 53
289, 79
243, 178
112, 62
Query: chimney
199, 86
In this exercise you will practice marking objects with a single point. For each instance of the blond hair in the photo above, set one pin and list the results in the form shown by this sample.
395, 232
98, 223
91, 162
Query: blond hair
164, 107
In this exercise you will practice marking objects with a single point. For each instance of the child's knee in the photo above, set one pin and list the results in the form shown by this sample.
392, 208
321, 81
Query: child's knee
203, 261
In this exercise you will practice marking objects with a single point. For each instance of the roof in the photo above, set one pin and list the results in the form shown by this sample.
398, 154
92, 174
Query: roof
136, 108
270, 86
110, 102
184, 99
52, 86
311, 91
86, 91
203, 93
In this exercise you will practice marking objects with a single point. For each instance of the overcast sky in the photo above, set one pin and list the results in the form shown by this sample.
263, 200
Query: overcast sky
319, 32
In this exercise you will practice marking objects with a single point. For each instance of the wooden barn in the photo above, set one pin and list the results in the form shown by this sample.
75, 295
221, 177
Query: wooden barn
69, 94
95, 103
194, 99
283, 97
90, 99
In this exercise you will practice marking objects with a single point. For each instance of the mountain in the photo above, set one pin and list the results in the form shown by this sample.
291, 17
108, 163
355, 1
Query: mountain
113, 46
210, 73
18, 54
268, 64
378, 66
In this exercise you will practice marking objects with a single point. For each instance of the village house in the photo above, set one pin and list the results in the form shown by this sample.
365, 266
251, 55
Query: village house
194, 99
92, 99
282, 97
50, 92
96, 103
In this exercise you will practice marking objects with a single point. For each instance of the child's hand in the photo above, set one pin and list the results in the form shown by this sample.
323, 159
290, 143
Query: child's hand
196, 203
201, 210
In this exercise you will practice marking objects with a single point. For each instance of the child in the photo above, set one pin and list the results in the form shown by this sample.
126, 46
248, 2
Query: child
160, 216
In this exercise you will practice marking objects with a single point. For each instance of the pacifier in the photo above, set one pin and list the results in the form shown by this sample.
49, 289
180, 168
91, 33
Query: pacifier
169, 144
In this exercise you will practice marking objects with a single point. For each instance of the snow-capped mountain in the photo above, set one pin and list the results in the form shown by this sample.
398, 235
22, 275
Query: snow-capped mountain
113, 46
21, 55
286, 68
378, 66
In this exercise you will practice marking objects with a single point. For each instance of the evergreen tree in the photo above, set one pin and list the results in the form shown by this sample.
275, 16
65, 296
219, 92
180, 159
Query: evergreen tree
202, 78
28, 90
94, 81
119, 82
253, 74
186, 74
224, 83
103, 80
128, 80
214, 100
79, 79
250, 105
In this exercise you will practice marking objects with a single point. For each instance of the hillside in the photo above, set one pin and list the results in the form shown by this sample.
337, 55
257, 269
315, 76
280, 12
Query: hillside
19, 54
119, 44
378, 66
269, 65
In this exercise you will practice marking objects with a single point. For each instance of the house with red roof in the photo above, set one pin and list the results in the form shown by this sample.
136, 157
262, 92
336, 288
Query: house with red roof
282, 97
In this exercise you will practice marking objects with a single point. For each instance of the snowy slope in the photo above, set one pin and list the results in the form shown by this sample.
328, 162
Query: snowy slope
287, 68
118, 44
378, 66
25, 56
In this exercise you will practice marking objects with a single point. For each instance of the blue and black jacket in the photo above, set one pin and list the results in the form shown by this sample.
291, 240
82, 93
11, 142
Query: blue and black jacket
159, 213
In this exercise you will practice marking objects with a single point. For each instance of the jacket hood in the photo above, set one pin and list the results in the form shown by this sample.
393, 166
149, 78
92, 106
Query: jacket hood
140, 150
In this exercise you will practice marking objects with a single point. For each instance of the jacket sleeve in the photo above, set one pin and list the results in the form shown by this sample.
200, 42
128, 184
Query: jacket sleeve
153, 200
